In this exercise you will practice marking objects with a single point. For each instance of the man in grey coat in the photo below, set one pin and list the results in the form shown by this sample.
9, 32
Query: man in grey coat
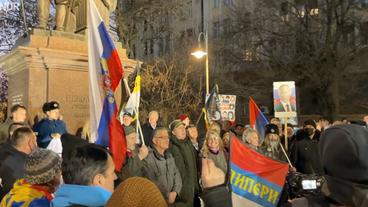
159, 167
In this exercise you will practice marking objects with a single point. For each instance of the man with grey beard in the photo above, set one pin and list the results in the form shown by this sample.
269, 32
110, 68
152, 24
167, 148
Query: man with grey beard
271, 146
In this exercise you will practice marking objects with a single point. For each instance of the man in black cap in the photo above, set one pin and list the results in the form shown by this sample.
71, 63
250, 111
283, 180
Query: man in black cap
51, 127
343, 153
305, 153
185, 159
127, 119
271, 146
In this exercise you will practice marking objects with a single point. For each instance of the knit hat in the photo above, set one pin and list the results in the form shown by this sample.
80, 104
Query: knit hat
48, 106
42, 166
310, 122
344, 152
182, 117
129, 130
272, 129
174, 124
137, 192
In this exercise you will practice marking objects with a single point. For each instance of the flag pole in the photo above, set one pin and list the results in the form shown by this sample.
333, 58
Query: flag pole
287, 157
285, 132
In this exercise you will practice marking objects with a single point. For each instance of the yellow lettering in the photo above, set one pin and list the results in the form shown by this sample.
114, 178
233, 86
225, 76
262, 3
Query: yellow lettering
264, 190
251, 184
273, 196
239, 180
256, 189
233, 173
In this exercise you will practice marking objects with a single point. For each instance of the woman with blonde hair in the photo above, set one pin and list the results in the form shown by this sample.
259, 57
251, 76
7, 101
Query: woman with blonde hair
213, 149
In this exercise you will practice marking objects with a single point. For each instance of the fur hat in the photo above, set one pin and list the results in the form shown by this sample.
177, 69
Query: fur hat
310, 122
137, 192
344, 152
174, 124
272, 129
42, 166
48, 106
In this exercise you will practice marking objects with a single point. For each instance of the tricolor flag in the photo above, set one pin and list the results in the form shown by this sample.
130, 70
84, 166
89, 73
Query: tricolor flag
256, 180
105, 73
132, 105
256, 118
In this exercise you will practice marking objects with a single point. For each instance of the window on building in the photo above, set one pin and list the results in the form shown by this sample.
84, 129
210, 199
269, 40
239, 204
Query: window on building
145, 25
167, 44
216, 29
284, 8
226, 26
133, 52
364, 3
145, 48
349, 35
364, 33
228, 2
248, 55
151, 46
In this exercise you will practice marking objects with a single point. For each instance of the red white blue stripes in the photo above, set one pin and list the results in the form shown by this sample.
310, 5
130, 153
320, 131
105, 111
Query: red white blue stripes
105, 73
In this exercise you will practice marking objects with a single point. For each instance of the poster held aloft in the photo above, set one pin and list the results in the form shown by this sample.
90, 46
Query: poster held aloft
284, 95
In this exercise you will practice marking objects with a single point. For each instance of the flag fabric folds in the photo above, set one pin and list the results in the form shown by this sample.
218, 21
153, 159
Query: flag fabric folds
256, 180
105, 73
257, 119
212, 109
132, 105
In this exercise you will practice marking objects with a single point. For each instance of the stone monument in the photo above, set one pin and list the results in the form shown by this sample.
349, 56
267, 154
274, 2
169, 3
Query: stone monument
53, 65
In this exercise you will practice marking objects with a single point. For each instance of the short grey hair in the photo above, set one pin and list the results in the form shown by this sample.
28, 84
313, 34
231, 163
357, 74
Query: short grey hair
247, 133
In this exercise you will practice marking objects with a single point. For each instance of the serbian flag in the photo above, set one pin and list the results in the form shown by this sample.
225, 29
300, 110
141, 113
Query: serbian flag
256, 118
256, 180
105, 73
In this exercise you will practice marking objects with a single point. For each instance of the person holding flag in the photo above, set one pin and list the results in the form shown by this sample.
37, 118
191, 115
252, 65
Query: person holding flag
257, 119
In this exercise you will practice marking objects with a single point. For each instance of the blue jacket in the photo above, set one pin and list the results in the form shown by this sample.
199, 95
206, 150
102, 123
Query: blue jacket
45, 128
68, 195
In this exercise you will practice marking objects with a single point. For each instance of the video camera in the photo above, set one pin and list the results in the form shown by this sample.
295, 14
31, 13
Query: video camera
301, 185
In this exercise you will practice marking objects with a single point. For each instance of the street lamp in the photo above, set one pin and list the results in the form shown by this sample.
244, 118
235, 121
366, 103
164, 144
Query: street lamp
199, 55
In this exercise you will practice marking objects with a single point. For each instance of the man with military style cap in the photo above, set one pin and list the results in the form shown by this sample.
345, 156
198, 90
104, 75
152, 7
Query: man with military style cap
50, 127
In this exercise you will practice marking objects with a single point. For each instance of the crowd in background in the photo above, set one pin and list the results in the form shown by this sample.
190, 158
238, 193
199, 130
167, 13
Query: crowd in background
174, 165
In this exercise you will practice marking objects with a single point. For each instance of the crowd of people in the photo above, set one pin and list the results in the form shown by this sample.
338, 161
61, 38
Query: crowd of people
173, 165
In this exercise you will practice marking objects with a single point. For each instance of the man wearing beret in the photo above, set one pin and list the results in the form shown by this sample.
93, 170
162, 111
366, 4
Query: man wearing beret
50, 127
135, 155
185, 159
271, 145
305, 153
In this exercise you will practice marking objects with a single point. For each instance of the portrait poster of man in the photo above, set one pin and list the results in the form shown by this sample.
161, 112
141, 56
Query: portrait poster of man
226, 105
284, 96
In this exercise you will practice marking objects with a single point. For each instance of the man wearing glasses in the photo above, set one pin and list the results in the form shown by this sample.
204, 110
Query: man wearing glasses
159, 166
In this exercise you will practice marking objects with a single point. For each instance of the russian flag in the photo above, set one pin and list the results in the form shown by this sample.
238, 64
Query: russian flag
256, 118
105, 74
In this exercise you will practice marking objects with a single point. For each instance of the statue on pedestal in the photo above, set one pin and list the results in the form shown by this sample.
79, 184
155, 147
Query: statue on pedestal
106, 7
44, 13
71, 12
